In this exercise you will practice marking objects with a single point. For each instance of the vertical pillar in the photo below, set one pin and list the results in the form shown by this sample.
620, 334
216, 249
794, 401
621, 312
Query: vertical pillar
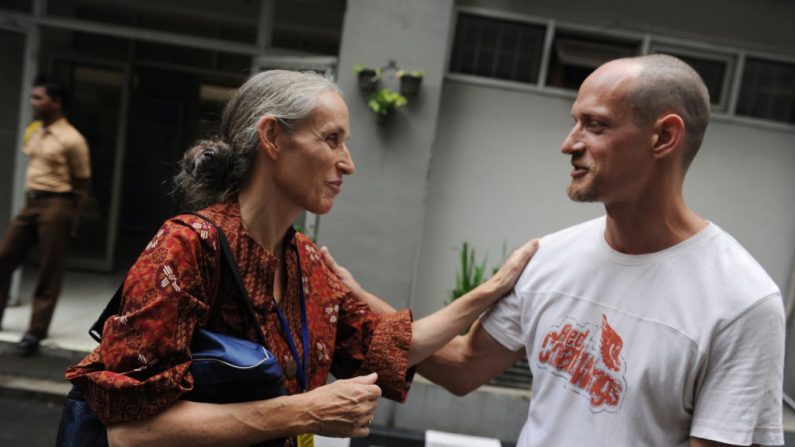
29, 70
376, 225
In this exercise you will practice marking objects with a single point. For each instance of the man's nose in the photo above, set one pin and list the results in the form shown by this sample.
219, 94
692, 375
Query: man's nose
572, 142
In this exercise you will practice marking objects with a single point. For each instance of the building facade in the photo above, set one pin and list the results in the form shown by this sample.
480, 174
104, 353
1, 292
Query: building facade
473, 157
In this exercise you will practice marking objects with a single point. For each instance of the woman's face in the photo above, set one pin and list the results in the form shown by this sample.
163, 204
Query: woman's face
314, 157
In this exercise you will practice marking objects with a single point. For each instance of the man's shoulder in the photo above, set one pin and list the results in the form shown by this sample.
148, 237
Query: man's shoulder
578, 233
68, 134
736, 266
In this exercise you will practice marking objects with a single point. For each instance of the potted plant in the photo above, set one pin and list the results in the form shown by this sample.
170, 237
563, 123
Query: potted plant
470, 273
384, 102
368, 78
410, 81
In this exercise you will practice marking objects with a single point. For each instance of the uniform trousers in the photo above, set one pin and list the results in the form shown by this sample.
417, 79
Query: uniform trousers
45, 222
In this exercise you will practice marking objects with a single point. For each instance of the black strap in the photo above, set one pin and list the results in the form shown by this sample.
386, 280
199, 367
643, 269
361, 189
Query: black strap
231, 265
114, 305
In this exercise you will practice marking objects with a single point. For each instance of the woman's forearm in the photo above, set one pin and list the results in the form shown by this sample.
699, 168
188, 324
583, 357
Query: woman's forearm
343, 408
195, 424
432, 332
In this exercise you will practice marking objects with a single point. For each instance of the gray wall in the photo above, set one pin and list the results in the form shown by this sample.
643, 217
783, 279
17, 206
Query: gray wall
375, 226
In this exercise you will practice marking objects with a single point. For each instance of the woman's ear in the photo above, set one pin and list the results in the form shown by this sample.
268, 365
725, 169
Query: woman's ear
268, 132
669, 135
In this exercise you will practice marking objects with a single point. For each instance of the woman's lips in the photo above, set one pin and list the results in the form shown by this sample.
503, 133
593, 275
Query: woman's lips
335, 186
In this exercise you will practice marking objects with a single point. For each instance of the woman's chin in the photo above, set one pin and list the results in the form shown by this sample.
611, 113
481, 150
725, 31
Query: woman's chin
321, 208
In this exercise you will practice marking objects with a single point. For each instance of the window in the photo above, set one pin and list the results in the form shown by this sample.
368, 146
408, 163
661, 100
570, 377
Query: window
575, 56
497, 48
767, 90
715, 70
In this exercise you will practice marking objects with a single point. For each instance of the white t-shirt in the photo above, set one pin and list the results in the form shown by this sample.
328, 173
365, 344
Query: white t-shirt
630, 350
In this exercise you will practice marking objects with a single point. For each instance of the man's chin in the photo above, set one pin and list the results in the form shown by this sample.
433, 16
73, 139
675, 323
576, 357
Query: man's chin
584, 195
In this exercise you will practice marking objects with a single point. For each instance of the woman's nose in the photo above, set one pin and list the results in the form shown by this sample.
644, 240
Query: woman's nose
346, 164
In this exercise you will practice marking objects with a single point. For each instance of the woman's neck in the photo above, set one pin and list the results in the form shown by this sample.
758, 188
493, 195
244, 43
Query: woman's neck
266, 214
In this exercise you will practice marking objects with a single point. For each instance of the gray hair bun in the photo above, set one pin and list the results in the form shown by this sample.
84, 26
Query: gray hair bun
208, 170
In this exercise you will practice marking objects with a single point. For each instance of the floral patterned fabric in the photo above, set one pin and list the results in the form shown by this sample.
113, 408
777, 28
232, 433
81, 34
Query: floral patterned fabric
143, 363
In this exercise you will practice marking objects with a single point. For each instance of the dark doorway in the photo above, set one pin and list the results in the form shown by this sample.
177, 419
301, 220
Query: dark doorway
169, 110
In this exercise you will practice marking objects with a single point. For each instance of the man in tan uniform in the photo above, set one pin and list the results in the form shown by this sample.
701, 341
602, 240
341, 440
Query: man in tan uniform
57, 183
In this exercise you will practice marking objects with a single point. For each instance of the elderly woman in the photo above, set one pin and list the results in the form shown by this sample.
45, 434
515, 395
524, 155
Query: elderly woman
282, 150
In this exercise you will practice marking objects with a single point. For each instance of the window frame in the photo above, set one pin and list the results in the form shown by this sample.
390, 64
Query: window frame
735, 56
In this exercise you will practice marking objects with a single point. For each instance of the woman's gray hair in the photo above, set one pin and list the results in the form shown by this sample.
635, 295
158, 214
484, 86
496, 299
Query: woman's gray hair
215, 170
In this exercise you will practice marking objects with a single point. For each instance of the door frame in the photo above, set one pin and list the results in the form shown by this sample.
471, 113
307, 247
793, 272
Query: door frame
107, 262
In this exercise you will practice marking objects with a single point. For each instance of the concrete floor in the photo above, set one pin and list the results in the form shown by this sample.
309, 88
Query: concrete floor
85, 295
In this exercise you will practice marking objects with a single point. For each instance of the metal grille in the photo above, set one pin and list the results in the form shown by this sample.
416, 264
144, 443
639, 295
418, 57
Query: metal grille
496, 48
768, 90
518, 376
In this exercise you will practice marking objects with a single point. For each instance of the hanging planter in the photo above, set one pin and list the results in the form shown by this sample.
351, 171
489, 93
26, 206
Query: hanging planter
368, 78
410, 82
384, 102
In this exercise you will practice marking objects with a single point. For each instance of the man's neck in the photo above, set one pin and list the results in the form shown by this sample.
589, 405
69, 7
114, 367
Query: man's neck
47, 121
650, 226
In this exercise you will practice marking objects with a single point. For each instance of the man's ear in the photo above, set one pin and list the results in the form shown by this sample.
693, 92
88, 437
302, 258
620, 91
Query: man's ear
669, 135
268, 132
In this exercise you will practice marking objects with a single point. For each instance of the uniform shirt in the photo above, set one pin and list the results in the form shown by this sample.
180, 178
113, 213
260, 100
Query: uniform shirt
58, 154
143, 363
646, 349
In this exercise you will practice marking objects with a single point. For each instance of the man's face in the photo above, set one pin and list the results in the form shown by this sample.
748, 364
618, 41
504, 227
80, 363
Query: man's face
611, 156
42, 104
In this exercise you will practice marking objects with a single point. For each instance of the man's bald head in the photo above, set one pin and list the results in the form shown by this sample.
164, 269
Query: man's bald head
664, 84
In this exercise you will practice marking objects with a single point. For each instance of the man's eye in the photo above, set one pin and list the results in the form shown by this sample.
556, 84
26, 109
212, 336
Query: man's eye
333, 139
596, 125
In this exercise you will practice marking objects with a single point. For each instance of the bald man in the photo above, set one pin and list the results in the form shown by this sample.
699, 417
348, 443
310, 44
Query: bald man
650, 325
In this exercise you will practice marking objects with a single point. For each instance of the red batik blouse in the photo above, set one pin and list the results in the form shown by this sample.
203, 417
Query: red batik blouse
143, 363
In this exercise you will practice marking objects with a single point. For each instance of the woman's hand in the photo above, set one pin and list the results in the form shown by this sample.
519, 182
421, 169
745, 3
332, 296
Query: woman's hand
343, 408
376, 305
503, 281
342, 273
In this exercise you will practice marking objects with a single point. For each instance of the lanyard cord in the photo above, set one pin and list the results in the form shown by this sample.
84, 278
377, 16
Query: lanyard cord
302, 364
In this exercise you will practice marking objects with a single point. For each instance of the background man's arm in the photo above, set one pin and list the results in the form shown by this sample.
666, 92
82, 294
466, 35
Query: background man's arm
81, 188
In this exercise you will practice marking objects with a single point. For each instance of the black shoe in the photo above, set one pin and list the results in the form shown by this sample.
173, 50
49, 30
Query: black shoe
28, 346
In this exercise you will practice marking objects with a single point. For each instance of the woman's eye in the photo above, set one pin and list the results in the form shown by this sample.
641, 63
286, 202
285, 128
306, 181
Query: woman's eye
333, 139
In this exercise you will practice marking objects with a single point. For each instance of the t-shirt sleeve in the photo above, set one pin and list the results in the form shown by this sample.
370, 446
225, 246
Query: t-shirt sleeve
143, 362
739, 399
504, 321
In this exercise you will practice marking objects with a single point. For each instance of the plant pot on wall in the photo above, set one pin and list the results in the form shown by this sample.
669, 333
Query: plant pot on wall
383, 118
410, 82
368, 78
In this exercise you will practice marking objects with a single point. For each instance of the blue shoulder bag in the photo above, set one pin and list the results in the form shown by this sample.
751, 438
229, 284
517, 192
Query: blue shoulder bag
225, 369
